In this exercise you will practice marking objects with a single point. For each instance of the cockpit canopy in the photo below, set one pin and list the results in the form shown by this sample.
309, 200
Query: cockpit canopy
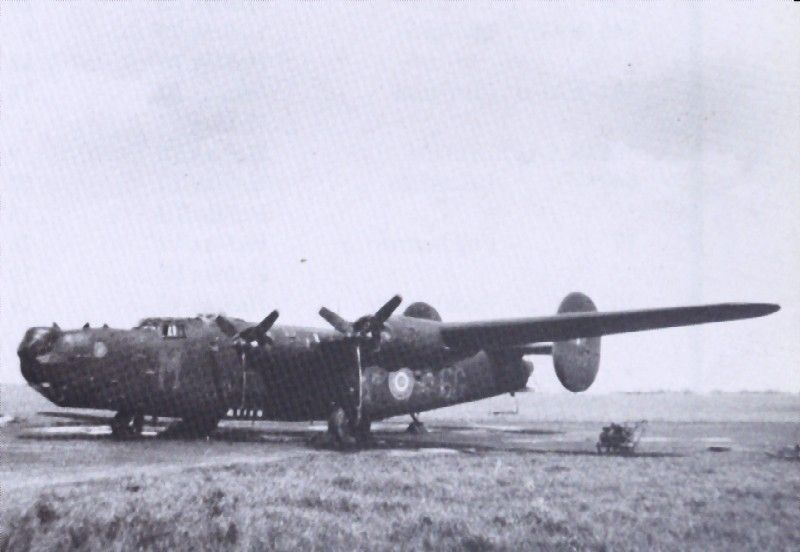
170, 328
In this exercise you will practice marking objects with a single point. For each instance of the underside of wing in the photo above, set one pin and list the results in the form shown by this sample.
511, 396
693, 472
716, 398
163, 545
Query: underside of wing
572, 325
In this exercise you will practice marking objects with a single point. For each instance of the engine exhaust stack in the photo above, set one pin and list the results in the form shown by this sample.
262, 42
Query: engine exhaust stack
577, 361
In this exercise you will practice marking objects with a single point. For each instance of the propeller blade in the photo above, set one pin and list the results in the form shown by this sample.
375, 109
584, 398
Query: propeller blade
258, 332
269, 320
383, 313
225, 325
339, 324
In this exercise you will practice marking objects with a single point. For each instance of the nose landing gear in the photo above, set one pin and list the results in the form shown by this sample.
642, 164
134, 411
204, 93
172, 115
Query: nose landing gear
126, 425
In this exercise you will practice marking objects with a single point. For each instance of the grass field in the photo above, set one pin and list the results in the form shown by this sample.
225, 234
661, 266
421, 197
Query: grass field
434, 499
379, 500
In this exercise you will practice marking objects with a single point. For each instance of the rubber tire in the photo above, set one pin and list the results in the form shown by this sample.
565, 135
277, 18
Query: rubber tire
362, 430
137, 424
339, 428
199, 426
126, 426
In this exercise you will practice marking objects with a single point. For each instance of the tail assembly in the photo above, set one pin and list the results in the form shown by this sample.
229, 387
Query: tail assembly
577, 360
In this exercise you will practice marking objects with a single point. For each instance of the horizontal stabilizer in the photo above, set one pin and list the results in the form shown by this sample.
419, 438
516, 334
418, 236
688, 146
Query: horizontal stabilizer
538, 349
572, 325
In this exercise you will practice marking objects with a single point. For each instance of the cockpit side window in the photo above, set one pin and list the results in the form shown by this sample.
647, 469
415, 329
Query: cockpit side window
173, 330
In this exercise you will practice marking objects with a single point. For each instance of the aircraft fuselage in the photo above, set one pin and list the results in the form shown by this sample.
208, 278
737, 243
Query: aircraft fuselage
177, 367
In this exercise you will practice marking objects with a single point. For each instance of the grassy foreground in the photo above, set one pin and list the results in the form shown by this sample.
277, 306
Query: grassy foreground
378, 500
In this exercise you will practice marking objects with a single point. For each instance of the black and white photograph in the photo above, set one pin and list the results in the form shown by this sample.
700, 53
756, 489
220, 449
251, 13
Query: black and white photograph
336, 276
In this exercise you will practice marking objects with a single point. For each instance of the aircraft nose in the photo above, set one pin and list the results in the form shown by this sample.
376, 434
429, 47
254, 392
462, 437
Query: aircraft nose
35, 343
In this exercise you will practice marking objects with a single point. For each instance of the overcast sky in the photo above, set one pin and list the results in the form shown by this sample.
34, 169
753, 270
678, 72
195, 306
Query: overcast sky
171, 159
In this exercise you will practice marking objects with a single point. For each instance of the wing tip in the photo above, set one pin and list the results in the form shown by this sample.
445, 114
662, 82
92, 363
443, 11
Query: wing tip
768, 308
739, 311
755, 310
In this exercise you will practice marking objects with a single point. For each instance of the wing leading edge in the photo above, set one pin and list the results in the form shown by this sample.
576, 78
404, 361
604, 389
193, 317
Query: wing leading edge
560, 327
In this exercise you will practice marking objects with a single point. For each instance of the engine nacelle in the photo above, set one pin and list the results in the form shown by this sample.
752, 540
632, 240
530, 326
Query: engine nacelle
577, 360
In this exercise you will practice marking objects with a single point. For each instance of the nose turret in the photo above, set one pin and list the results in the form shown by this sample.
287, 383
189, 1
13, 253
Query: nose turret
36, 343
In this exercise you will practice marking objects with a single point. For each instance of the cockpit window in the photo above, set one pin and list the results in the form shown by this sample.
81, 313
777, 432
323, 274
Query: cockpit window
149, 324
173, 330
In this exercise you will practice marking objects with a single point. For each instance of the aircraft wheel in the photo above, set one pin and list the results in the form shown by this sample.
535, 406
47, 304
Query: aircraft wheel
125, 425
339, 428
200, 426
416, 427
191, 427
137, 424
362, 431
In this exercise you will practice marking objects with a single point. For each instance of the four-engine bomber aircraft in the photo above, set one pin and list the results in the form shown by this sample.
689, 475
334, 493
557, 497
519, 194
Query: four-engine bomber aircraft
202, 369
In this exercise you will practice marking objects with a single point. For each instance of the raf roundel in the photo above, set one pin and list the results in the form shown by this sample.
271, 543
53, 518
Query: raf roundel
100, 349
401, 384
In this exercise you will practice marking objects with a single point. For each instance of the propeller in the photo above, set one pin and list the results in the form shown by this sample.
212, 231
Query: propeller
366, 327
257, 333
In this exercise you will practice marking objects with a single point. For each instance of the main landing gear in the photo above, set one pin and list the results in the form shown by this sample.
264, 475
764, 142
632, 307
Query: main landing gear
125, 425
344, 433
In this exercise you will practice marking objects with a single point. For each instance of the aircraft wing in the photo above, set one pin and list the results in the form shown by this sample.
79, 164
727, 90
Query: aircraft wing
560, 327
